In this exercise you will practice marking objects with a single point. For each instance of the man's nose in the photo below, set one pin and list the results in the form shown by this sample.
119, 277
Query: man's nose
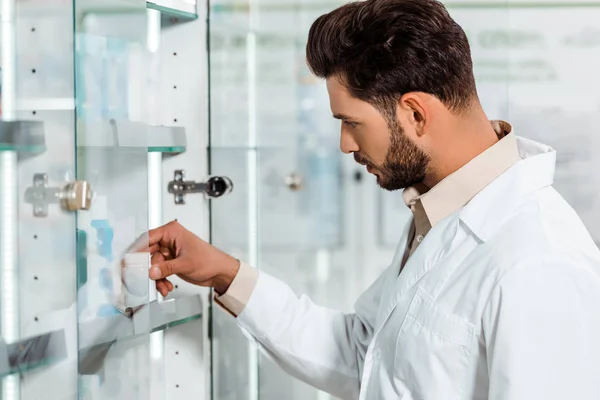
347, 143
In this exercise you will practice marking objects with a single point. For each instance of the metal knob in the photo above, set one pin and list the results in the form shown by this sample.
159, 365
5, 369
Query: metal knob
76, 196
217, 186
294, 182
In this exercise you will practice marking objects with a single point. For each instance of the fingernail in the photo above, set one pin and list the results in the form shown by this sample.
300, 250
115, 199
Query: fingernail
155, 273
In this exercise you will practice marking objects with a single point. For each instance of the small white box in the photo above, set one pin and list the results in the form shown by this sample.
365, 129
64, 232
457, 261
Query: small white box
136, 281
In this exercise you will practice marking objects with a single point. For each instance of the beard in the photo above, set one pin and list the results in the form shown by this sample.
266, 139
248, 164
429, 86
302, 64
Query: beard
405, 163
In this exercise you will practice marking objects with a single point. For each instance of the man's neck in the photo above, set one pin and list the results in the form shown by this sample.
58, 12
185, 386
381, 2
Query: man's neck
465, 138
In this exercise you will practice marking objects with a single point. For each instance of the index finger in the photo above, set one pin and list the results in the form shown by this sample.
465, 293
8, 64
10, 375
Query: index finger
157, 236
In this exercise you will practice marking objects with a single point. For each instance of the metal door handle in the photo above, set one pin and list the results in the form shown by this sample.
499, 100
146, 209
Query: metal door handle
214, 187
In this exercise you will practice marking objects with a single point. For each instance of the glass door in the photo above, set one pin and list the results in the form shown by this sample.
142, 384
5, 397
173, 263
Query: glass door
282, 151
121, 145
80, 92
112, 155
75, 306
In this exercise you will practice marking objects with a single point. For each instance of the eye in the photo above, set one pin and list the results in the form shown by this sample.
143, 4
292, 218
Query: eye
351, 124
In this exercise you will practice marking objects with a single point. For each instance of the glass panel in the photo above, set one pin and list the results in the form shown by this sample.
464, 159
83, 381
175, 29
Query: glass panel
233, 154
282, 152
233, 357
112, 154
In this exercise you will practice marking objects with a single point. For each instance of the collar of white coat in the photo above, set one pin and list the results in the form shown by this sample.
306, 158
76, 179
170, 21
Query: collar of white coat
487, 211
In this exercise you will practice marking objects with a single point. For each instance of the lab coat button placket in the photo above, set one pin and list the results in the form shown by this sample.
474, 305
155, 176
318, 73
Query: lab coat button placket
376, 354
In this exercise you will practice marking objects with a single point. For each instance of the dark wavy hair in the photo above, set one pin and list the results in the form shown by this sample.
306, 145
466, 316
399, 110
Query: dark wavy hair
383, 49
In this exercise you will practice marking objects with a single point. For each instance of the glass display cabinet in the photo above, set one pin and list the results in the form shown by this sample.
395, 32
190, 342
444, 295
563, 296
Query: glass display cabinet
90, 118
114, 112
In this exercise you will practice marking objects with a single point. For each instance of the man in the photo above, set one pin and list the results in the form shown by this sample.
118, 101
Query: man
494, 292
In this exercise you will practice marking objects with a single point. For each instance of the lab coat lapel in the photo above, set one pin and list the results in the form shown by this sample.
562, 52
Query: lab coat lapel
392, 273
434, 248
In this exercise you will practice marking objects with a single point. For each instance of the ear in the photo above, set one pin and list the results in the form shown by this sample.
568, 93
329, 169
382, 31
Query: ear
413, 107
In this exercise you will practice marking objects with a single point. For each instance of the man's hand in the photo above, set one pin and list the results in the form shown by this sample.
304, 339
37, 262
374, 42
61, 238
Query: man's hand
177, 251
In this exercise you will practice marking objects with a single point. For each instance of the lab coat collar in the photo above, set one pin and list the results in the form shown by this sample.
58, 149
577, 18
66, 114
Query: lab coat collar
488, 210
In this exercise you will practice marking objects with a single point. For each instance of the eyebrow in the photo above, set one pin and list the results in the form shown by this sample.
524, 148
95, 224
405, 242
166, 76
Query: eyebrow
341, 116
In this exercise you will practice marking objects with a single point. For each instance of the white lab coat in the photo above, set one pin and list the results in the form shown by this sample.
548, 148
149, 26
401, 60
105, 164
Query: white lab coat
501, 301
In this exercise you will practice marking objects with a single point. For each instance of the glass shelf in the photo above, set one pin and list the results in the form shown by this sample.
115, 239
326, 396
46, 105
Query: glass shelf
97, 337
128, 134
155, 317
174, 10
171, 313
22, 136
32, 353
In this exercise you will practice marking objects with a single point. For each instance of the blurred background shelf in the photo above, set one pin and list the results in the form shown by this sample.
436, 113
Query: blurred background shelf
172, 11
22, 136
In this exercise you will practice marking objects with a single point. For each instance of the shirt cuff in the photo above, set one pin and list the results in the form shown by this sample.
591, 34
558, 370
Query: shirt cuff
237, 296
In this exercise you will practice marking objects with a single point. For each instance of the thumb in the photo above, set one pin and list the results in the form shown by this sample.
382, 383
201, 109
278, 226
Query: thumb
165, 269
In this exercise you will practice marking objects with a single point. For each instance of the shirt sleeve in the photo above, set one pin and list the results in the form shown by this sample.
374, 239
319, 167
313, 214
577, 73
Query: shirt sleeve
323, 347
237, 296
542, 329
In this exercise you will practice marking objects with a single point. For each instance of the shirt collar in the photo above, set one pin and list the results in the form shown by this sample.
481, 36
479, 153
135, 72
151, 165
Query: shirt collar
457, 189
534, 172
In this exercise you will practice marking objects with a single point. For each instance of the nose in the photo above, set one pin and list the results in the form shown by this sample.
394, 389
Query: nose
347, 143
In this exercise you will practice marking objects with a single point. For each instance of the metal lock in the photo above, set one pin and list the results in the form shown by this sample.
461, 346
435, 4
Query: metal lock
74, 196
216, 186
